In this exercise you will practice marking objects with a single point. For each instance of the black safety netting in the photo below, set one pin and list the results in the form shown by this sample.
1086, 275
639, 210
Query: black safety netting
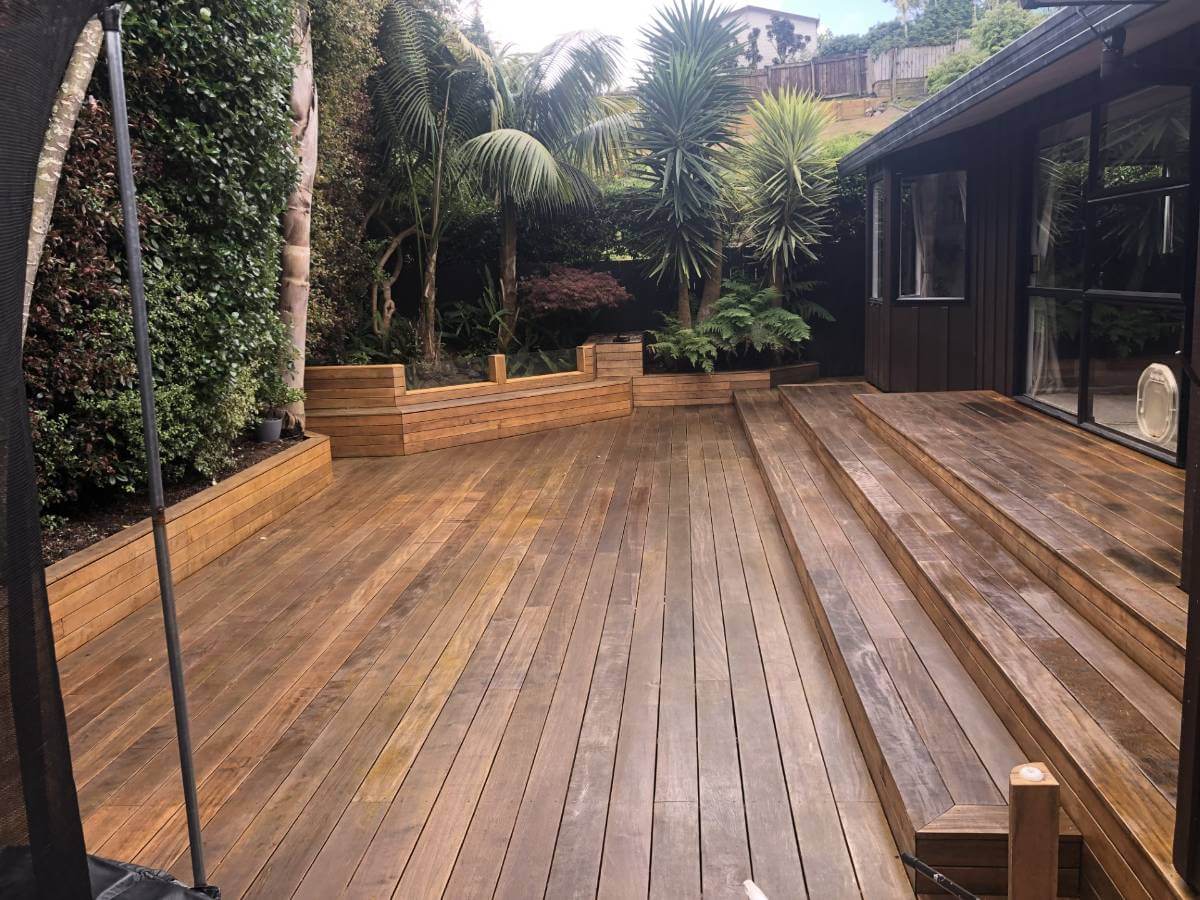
42, 853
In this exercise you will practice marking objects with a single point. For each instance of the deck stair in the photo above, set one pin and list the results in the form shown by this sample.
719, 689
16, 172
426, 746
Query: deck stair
938, 753
1100, 523
1067, 692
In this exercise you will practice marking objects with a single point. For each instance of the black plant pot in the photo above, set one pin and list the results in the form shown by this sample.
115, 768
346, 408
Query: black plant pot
267, 431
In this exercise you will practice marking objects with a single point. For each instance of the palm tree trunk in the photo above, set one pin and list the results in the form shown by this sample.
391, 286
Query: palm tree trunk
683, 304
712, 281
295, 285
427, 332
54, 150
508, 272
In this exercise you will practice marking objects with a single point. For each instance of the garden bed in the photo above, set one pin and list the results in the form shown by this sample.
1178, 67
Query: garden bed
77, 528
92, 589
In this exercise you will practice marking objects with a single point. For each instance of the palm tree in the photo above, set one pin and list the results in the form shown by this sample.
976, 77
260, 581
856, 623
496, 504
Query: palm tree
783, 181
434, 92
555, 129
691, 99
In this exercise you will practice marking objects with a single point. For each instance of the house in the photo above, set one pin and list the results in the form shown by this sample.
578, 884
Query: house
1032, 230
751, 18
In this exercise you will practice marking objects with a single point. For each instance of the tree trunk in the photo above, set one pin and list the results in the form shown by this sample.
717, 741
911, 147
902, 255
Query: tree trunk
684, 304
431, 344
297, 218
54, 150
712, 281
427, 330
777, 282
508, 273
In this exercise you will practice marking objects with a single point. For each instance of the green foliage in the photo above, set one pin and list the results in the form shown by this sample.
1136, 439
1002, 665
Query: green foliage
555, 124
690, 98
745, 318
344, 55
996, 28
209, 91
1000, 25
783, 179
953, 68
829, 44
789, 46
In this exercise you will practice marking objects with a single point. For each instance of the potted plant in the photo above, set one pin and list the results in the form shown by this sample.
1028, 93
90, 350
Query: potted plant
274, 396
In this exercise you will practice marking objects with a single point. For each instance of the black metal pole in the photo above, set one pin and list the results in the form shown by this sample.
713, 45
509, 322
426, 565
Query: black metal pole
111, 19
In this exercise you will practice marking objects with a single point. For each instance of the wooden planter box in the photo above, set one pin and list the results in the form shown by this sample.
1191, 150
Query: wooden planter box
97, 587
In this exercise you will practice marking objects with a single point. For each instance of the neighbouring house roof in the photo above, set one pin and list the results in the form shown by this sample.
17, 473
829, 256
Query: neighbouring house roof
1058, 51
734, 13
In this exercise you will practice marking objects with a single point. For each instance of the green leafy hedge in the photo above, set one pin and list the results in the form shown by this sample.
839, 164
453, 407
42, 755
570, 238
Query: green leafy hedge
208, 92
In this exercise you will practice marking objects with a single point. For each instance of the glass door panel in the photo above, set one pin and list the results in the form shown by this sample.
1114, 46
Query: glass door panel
1052, 359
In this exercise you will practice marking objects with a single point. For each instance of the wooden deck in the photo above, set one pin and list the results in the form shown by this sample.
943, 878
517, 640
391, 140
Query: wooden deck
894, 524
572, 664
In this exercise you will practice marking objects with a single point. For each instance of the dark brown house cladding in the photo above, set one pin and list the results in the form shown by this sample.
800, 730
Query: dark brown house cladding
1033, 230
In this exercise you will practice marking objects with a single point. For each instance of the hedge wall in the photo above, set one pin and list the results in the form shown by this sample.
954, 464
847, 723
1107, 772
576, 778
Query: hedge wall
208, 88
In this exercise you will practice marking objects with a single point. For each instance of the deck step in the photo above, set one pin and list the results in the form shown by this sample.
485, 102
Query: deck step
1100, 523
938, 754
1065, 691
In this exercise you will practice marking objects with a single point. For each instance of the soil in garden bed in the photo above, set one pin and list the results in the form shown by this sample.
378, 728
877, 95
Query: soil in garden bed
80, 526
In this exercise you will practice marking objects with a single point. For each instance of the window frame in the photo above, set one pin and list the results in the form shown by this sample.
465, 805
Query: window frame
1095, 196
896, 231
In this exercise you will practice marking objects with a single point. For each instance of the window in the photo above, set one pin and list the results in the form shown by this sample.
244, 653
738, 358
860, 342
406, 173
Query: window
1109, 266
933, 235
1058, 204
1130, 343
878, 236
1145, 138
1052, 365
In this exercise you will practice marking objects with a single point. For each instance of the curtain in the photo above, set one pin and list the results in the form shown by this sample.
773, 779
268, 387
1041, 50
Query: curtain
1045, 373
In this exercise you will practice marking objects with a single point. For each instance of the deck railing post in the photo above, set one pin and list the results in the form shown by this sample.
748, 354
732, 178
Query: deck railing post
497, 368
1032, 833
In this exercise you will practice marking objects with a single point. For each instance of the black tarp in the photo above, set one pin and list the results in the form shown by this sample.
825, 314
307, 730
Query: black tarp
42, 853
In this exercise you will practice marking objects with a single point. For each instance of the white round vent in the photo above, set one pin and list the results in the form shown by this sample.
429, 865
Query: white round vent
1158, 404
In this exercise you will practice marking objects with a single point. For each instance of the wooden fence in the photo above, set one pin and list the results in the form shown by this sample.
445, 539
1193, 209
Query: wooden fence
855, 75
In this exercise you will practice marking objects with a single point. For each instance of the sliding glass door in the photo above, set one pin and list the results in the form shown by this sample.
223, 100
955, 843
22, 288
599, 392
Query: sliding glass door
1108, 267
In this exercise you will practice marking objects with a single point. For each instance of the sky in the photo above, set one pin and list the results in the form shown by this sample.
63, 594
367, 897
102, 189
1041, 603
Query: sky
531, 24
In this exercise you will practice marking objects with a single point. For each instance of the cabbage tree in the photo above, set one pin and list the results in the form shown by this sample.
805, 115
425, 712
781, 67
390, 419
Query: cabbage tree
556, 127
691, 99
784, 181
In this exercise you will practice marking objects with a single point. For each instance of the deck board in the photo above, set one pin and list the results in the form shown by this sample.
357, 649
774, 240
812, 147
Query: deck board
575, 663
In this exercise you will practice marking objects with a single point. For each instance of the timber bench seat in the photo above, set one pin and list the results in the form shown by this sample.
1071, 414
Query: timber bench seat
418, 427
1067, 693
1100, 523
938, 753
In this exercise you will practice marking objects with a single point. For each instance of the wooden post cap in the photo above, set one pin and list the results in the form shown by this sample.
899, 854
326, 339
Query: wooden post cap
497, 368
1033, 816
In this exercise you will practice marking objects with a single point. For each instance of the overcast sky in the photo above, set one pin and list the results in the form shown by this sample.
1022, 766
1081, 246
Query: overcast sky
531, 24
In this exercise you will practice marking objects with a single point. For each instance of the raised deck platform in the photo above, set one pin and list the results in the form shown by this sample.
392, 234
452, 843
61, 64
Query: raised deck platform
1100, 523
938, 753
1083, 698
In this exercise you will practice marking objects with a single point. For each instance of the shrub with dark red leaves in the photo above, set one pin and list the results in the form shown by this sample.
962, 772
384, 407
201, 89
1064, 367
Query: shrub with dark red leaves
567, 290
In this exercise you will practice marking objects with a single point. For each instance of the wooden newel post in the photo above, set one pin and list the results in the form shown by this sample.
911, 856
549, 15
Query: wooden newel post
1032, 833
497, 368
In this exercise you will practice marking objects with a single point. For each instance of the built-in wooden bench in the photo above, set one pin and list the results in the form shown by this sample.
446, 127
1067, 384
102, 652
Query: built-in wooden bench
1099, 522
939, 755
432, 425
1065, 691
